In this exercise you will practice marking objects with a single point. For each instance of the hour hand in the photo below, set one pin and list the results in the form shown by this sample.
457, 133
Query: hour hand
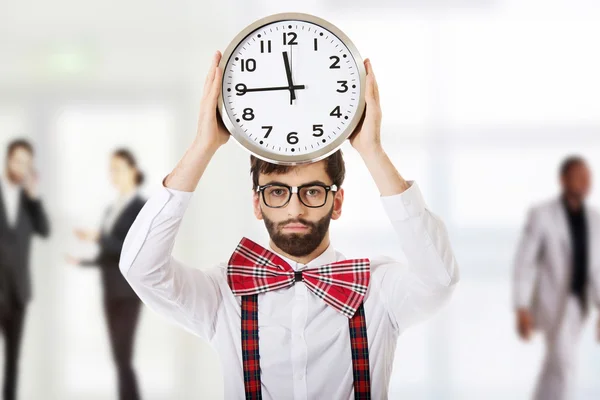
242, 89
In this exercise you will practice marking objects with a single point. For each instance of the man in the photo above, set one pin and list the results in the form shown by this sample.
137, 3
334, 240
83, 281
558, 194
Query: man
21, 216
297, 319
556, 276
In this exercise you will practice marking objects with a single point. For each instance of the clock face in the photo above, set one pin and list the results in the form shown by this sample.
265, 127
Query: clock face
292, 88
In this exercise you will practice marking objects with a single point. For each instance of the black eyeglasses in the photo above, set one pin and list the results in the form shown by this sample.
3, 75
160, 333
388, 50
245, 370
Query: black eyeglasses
277, 195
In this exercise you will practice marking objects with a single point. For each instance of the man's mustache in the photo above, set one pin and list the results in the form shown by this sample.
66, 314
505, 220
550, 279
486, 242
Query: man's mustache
296, 221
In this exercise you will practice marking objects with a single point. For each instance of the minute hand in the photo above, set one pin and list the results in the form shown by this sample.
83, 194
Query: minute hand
288, 72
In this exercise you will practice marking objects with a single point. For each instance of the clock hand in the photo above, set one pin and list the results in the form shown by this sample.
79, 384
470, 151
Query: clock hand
243, 90
288, 72
292, 62
295, 87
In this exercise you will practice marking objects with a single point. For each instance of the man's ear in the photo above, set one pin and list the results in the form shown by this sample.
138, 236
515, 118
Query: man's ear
338, 200
256, 206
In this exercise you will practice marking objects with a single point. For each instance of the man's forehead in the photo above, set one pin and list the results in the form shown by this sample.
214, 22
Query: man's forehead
298, 175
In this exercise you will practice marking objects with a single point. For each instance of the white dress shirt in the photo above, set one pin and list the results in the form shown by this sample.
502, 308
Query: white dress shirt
115, 211
304, 343
10, 196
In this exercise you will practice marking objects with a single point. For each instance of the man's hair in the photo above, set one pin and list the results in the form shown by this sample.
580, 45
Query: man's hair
334, 166
570, 162
16, 144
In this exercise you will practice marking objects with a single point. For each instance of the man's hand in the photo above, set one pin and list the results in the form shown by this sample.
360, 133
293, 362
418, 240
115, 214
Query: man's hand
31, 184
211, 134
366, 138
87, 235
524, 324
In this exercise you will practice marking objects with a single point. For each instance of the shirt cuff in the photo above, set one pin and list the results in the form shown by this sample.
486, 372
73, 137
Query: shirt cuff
405, 205
175, 201
166, 203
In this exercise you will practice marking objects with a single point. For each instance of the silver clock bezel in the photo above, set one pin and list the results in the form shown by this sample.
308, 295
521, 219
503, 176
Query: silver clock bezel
322, 152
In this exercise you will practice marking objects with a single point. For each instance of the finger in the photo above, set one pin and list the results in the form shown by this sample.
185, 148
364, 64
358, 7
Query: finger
216, 88
208, 79
374, 80
372, 92
211, 73
369, 91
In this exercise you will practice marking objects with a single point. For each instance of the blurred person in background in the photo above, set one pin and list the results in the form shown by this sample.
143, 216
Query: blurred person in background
121, 304
557, 276
21, 216
299, 300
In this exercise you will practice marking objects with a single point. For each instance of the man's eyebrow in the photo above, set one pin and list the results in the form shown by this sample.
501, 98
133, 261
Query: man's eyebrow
315, 182
275, 183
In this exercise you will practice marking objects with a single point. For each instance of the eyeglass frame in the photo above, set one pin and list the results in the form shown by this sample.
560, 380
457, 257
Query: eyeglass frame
295, 189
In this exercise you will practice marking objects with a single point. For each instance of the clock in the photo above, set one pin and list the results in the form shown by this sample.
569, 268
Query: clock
293, 88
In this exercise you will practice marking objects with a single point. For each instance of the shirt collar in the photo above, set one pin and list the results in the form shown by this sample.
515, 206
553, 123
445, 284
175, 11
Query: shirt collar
123, 200
565, 204
328, 256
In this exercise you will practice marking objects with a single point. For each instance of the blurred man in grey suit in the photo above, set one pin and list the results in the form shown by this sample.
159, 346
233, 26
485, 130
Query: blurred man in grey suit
557, 276
21, 216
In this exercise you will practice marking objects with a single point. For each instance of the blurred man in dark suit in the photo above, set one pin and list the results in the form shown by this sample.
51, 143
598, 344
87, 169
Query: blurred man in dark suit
21, 216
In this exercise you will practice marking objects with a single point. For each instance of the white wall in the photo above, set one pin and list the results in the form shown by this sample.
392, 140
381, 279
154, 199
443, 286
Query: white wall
481, 100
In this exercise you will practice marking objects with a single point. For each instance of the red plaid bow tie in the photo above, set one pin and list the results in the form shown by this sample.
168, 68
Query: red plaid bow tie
253, 269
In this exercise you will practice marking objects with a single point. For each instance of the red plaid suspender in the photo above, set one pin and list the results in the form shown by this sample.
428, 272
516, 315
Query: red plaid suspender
251, 355
360, 355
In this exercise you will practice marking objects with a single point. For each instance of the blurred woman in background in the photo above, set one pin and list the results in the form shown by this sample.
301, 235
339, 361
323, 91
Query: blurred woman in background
121, 304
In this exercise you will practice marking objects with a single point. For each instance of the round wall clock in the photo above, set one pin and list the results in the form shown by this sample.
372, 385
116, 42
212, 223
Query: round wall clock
293, 88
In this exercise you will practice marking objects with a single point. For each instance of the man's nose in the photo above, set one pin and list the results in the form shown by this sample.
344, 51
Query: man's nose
295, 206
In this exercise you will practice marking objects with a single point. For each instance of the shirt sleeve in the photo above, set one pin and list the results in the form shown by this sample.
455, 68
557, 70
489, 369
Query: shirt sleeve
187, 296
414, 289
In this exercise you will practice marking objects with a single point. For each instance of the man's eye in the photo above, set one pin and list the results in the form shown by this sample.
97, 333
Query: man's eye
314, 192
277, 192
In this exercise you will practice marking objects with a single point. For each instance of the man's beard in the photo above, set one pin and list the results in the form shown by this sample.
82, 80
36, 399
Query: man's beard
295, 244
576, 196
